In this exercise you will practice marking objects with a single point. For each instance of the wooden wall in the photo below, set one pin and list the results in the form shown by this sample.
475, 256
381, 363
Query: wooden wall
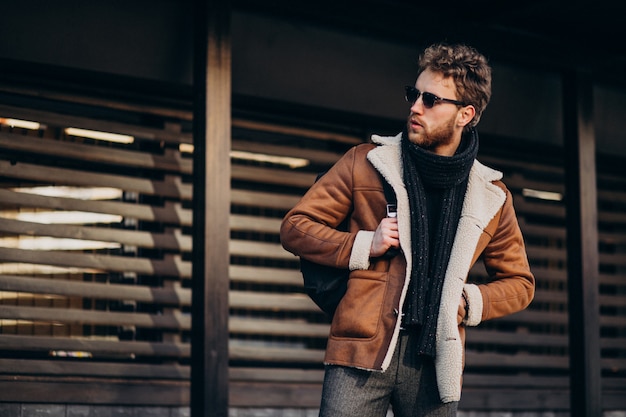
108, 322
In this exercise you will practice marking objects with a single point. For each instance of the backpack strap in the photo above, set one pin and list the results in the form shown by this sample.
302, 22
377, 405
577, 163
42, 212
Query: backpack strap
390, 195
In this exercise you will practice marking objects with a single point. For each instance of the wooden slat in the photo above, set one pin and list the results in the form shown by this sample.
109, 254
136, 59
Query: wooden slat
612, 238
524, 165
274, 395
471, 379
552, 297
171, 213
167, 321
314, 155
94, 391
541, 230
545, 210
64, 120
138, 293
554, 254
99, 348
523, 400
275, 355
263, 199
273, 176
614, 196
95, 154
473, 360
171, 241
259, 249
557, 318
548, 274
295, 131
283, 327
514, 339
254, 224
50, 175
88, 368
560, 275
517, 181
271, 302
169, 267
169, 108
276, 374
261, 275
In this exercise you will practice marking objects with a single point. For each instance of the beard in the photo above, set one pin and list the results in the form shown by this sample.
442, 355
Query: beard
430, 140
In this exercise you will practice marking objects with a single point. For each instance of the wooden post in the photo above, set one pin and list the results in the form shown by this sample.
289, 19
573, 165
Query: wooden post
582, 246
211, 208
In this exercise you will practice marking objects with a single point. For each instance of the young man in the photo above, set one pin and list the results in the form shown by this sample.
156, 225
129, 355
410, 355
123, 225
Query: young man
397, 337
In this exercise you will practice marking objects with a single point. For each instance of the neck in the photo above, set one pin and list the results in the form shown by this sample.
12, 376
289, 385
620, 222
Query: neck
449, 148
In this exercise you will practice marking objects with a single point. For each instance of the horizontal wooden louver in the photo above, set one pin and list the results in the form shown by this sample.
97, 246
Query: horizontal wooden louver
97, 293
119, 308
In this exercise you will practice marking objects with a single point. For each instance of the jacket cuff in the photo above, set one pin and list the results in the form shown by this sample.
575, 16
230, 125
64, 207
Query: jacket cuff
475, 299
360, 256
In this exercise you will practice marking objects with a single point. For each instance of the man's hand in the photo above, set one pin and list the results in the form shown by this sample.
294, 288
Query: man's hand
385, 237
462, 311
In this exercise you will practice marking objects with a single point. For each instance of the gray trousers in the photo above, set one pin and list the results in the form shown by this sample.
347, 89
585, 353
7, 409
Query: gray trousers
408, 385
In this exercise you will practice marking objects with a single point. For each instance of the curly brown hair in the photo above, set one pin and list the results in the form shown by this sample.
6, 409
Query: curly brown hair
467, 67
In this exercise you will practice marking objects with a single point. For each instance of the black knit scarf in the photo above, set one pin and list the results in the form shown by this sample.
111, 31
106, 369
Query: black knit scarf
436, 188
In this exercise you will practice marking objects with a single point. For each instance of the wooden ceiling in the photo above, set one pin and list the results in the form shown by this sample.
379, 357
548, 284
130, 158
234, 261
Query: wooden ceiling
552, 35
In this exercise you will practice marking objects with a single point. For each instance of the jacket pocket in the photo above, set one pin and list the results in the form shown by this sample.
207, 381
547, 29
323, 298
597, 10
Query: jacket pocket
359, 312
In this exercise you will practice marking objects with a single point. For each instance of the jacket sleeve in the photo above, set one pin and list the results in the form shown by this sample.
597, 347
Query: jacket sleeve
511, 285
309, 229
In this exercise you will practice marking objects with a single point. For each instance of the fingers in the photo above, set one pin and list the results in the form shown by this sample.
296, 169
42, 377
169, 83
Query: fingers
461, 311
389, 227
386, 236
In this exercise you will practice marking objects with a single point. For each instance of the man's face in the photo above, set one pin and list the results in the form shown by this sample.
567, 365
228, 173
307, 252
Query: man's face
437, 129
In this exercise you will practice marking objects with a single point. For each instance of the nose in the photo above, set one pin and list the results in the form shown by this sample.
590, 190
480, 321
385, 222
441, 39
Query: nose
417, 108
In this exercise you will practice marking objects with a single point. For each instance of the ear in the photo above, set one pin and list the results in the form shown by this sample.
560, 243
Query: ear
465, 115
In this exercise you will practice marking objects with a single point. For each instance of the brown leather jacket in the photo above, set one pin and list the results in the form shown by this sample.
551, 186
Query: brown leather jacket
365, 327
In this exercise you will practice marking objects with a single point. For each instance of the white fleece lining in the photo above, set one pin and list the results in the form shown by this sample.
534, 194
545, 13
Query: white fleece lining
360, 256
482, 201
387, 160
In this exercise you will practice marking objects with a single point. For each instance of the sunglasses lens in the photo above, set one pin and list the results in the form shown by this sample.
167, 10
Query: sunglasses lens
411, 94
429, 100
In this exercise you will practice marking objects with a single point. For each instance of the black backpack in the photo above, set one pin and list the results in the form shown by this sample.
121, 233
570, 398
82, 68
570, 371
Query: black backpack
326, 285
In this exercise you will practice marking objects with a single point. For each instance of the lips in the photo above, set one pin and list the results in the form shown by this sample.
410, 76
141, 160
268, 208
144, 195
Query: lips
414, 123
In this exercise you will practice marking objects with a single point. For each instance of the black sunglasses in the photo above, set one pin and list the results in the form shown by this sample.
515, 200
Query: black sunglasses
412, 94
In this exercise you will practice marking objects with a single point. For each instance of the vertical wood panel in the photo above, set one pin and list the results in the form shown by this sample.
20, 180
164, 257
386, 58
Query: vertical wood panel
211, 205
582, 241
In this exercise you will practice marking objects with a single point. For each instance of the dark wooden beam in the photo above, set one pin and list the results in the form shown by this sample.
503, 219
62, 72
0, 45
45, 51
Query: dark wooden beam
582, 250
211, 208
